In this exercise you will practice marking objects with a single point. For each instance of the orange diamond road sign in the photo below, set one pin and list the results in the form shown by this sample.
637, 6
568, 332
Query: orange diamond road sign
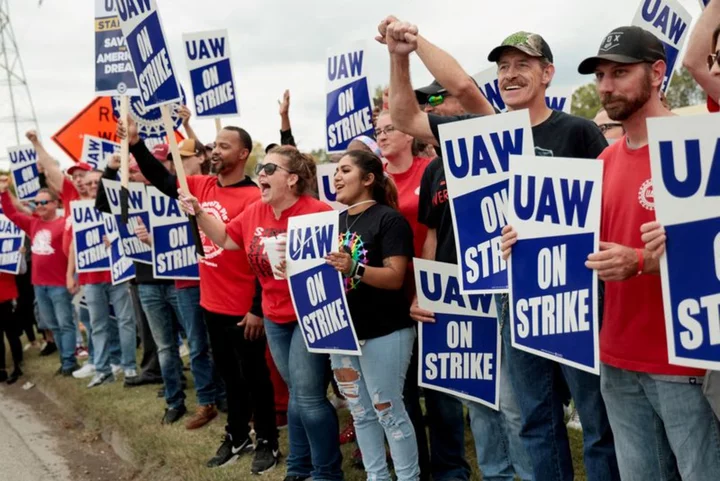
96, 119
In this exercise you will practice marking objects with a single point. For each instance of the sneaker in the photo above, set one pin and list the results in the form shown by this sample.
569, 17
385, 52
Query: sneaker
347, 435
173, 415
574, 422
99, 379
116, 369
49, 348
69, 371
141, 380
81, 352
3, 373
130, 373
202, 416
184, 351
281, 421
229, 452
14, 376
266, 457
88, 370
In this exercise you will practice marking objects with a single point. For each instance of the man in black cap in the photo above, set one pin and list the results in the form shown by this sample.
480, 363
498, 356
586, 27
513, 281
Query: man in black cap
435, 99
525, 70
657, 410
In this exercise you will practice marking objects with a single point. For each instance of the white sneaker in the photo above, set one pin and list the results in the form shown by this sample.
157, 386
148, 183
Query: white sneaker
116, 369
130, 373
184, 351
574, 422
101, 379
88, 370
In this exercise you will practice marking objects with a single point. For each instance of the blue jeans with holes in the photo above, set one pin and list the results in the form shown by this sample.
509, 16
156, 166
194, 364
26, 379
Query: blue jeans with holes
538, 386
159, 301
56, 312
373, 384
192, 322
312, 420
99, 298
657, 422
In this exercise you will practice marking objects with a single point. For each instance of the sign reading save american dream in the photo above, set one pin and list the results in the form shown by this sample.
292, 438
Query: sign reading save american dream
555, 209
348, 108
96, 151
154, 72
475, 155
88, 225
669, 22
173, 249
121, 268
138, 211
23, 165
326, 185
316, 288
460, 351
685, 163
11, 239
113, 68
208, 59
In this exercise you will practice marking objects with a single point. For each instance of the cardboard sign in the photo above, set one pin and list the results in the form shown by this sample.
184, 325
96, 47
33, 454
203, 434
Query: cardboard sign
113, 68
173, 250
138, 211
152, 65
556, 98
316, 288
11, 239
326, 185
96, 151
667, 20
704, 3
149, 120
475, 156
555, 209
208, 59
559, 98
122, 269
23, 165
348, 106
88, 225
685, 164
460, 352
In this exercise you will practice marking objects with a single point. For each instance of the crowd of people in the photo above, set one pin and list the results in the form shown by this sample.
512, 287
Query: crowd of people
641, 419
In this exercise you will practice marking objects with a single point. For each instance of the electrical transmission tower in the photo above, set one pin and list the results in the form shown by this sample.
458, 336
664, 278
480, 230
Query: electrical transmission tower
16, 105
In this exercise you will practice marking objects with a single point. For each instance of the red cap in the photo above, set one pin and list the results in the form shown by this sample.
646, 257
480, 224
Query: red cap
79, 166
160, 152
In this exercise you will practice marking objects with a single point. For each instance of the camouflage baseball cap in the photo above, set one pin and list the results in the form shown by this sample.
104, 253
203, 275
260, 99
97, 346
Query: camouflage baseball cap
529, 43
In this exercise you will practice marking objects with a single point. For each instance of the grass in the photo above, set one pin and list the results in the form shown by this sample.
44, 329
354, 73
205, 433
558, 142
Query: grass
172, 452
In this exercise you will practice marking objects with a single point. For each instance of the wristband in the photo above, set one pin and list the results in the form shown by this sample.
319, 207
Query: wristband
353, 268
641, 261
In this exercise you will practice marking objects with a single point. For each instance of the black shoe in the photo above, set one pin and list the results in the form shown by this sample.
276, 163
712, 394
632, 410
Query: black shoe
173, 415
296, 478
14, 376
69, 371
266, 457
3, 373
229, 452
141, 380
222, 405
49, 348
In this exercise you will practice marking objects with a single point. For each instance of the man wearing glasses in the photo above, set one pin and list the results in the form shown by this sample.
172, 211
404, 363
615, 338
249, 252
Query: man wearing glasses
610, 129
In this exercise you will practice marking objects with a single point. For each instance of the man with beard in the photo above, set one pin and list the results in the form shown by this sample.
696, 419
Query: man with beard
525, 70
656, 409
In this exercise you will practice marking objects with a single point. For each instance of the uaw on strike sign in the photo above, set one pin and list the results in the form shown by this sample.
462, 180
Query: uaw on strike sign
685, 164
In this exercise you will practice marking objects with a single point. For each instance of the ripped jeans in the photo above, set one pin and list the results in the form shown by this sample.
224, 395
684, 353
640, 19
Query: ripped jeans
373, 385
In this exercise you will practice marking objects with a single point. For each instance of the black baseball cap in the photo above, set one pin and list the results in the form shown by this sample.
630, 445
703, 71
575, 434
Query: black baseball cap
434, 88
626, 45
528, 43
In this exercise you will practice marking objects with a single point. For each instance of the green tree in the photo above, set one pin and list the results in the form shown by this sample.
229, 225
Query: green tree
586, 101
377, 97
684, 91
320, 155
257, 154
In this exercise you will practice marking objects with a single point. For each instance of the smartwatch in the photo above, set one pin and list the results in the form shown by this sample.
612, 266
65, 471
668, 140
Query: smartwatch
359, 271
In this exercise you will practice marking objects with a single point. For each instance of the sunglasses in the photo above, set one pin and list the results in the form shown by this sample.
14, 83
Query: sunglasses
43, 202
384, 130
712, 59
435, 100
269, 168
605, 127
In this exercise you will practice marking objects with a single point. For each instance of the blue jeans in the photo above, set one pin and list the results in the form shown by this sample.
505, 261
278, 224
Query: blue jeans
446, 421
656, 422
191, 319
56, 312
312, 420
99, 298
159, 301
84, 317
114, 339
538, 384
373, 385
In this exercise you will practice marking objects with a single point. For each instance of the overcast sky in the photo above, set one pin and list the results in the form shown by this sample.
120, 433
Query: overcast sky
279, 44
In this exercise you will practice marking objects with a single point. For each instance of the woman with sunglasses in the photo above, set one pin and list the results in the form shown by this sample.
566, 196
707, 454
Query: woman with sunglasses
376, 246
287, 184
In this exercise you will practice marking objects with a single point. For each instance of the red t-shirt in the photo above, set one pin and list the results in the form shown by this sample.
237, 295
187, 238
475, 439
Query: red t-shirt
633, 331
69, 193
227, 284
8, 288
49, 261
408, 185
248, 230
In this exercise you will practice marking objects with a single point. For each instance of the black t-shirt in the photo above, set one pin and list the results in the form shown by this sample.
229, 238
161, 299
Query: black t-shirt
373, 235
561, 135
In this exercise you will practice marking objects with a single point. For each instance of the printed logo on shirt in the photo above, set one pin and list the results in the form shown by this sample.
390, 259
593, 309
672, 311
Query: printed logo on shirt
353, 242
441, 196
211, 249
42, 243
257, 256
540, 152
646, 196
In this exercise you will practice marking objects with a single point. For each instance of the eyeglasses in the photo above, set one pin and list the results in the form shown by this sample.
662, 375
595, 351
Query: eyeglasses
605, 127
42, 202
435, 100
385, 130
269, 168
712, 59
